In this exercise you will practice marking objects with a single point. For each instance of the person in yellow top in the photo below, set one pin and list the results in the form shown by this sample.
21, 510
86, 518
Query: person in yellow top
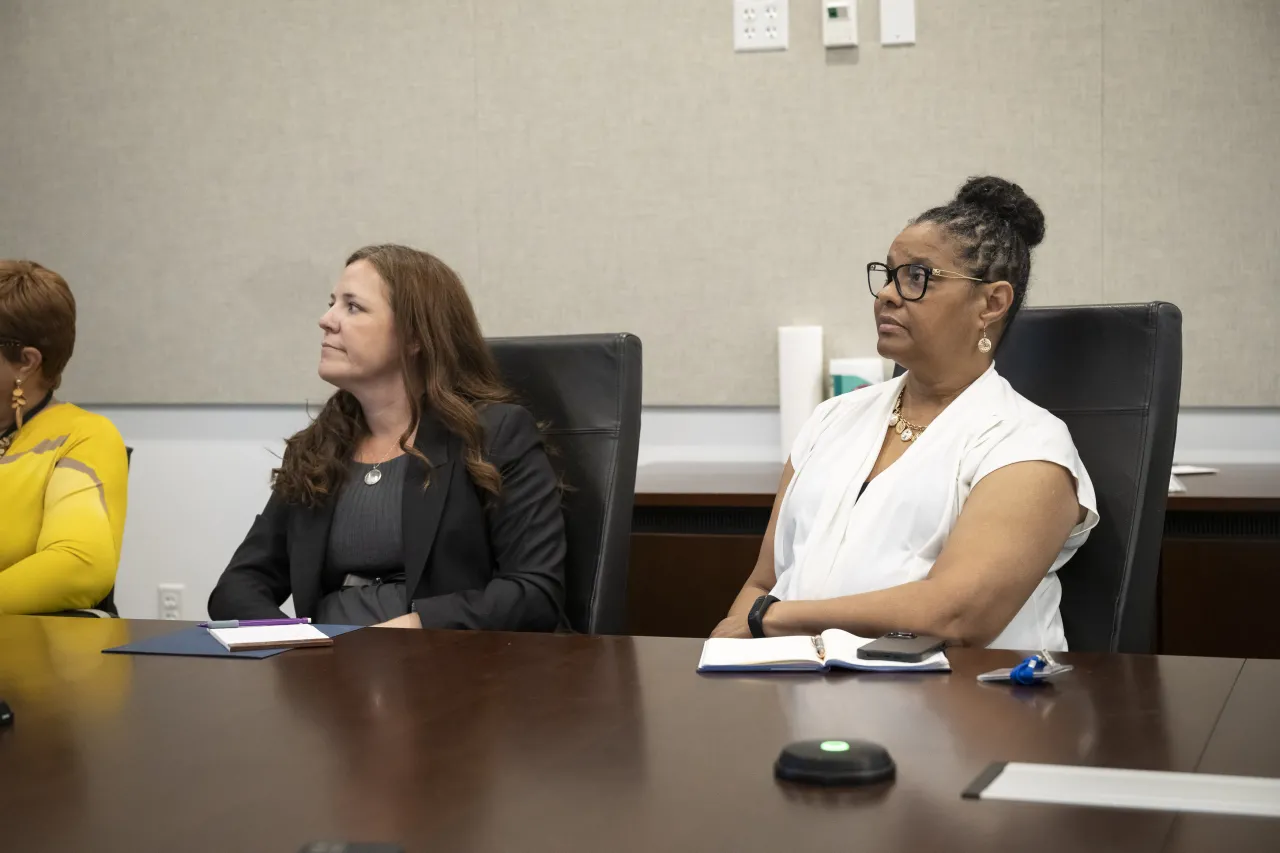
63, 471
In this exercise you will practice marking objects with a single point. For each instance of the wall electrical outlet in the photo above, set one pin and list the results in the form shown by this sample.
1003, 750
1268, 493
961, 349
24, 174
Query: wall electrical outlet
761, 25
170, 603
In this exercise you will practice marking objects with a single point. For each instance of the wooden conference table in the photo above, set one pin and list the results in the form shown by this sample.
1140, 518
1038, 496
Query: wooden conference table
501, 742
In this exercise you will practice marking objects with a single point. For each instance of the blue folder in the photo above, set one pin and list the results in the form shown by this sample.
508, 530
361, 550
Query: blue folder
198, 643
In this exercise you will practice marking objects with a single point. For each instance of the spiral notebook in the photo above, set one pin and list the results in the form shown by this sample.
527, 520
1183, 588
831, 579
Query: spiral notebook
832, 649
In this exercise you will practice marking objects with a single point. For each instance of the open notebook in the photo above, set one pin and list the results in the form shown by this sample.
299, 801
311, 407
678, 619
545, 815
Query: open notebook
270, 637
832, 649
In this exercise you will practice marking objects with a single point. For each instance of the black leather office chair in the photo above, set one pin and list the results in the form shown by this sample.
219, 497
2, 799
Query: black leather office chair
1113, 374
585, 391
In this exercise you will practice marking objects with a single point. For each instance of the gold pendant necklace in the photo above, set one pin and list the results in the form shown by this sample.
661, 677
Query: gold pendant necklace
906, 430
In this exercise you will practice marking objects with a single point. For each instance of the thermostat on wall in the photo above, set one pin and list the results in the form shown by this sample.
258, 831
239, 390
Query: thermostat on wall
839, 23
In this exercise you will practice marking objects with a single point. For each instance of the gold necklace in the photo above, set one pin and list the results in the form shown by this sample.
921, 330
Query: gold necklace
7, 441
906, 430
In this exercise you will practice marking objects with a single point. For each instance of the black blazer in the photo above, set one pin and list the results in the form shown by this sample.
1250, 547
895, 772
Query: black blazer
466, 566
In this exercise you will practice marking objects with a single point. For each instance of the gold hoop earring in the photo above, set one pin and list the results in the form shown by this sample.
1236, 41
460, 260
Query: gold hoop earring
984, 343
18, 404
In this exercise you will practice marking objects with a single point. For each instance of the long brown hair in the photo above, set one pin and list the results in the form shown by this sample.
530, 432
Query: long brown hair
448, 371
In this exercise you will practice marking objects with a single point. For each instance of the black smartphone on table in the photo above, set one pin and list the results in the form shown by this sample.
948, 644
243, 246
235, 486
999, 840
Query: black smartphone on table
902, 646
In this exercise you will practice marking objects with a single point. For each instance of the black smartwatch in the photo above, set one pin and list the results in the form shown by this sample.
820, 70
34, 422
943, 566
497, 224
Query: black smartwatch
755, 619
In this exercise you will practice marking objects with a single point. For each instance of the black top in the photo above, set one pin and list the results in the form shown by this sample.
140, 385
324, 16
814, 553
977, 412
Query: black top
467, 564
366, 537
366, 545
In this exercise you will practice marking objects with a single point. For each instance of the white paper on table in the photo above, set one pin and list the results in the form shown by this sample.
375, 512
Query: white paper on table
1176, 486
1128, 789
270, 637
1189, 470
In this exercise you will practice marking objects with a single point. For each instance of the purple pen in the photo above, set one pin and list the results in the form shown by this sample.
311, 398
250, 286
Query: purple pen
253, 623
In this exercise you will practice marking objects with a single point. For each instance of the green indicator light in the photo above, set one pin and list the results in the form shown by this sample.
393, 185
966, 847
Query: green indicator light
834, 746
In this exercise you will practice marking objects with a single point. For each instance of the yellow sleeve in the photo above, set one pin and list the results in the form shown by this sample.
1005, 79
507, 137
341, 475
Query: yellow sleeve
78, 549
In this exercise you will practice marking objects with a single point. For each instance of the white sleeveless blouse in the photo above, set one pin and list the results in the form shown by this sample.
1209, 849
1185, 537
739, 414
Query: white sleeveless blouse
830, 543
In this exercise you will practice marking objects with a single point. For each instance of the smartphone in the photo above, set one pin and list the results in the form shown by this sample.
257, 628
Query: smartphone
902, 646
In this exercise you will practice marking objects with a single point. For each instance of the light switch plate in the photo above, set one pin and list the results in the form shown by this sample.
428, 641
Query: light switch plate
761, 25
897, 22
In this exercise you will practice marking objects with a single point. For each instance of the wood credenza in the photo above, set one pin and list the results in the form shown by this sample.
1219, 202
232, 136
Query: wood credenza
697, 529
1219, 583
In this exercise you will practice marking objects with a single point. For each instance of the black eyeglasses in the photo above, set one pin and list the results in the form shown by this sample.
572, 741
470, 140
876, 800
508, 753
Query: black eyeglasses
911, 280
10, 342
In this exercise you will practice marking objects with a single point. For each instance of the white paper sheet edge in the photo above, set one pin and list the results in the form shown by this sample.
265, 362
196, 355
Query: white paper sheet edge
1191, 470
1136, 789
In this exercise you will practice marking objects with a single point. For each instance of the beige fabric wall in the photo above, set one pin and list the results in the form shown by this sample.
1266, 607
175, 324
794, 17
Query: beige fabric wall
198, 171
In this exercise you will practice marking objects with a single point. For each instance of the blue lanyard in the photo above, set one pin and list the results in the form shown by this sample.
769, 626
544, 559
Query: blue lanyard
1025, 672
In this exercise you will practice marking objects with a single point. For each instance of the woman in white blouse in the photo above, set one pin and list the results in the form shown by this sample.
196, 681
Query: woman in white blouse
943, 502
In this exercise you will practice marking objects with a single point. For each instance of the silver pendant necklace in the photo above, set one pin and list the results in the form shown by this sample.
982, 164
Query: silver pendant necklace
374, 474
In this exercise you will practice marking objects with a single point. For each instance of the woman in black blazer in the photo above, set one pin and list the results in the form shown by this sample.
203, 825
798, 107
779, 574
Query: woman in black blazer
420, 496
